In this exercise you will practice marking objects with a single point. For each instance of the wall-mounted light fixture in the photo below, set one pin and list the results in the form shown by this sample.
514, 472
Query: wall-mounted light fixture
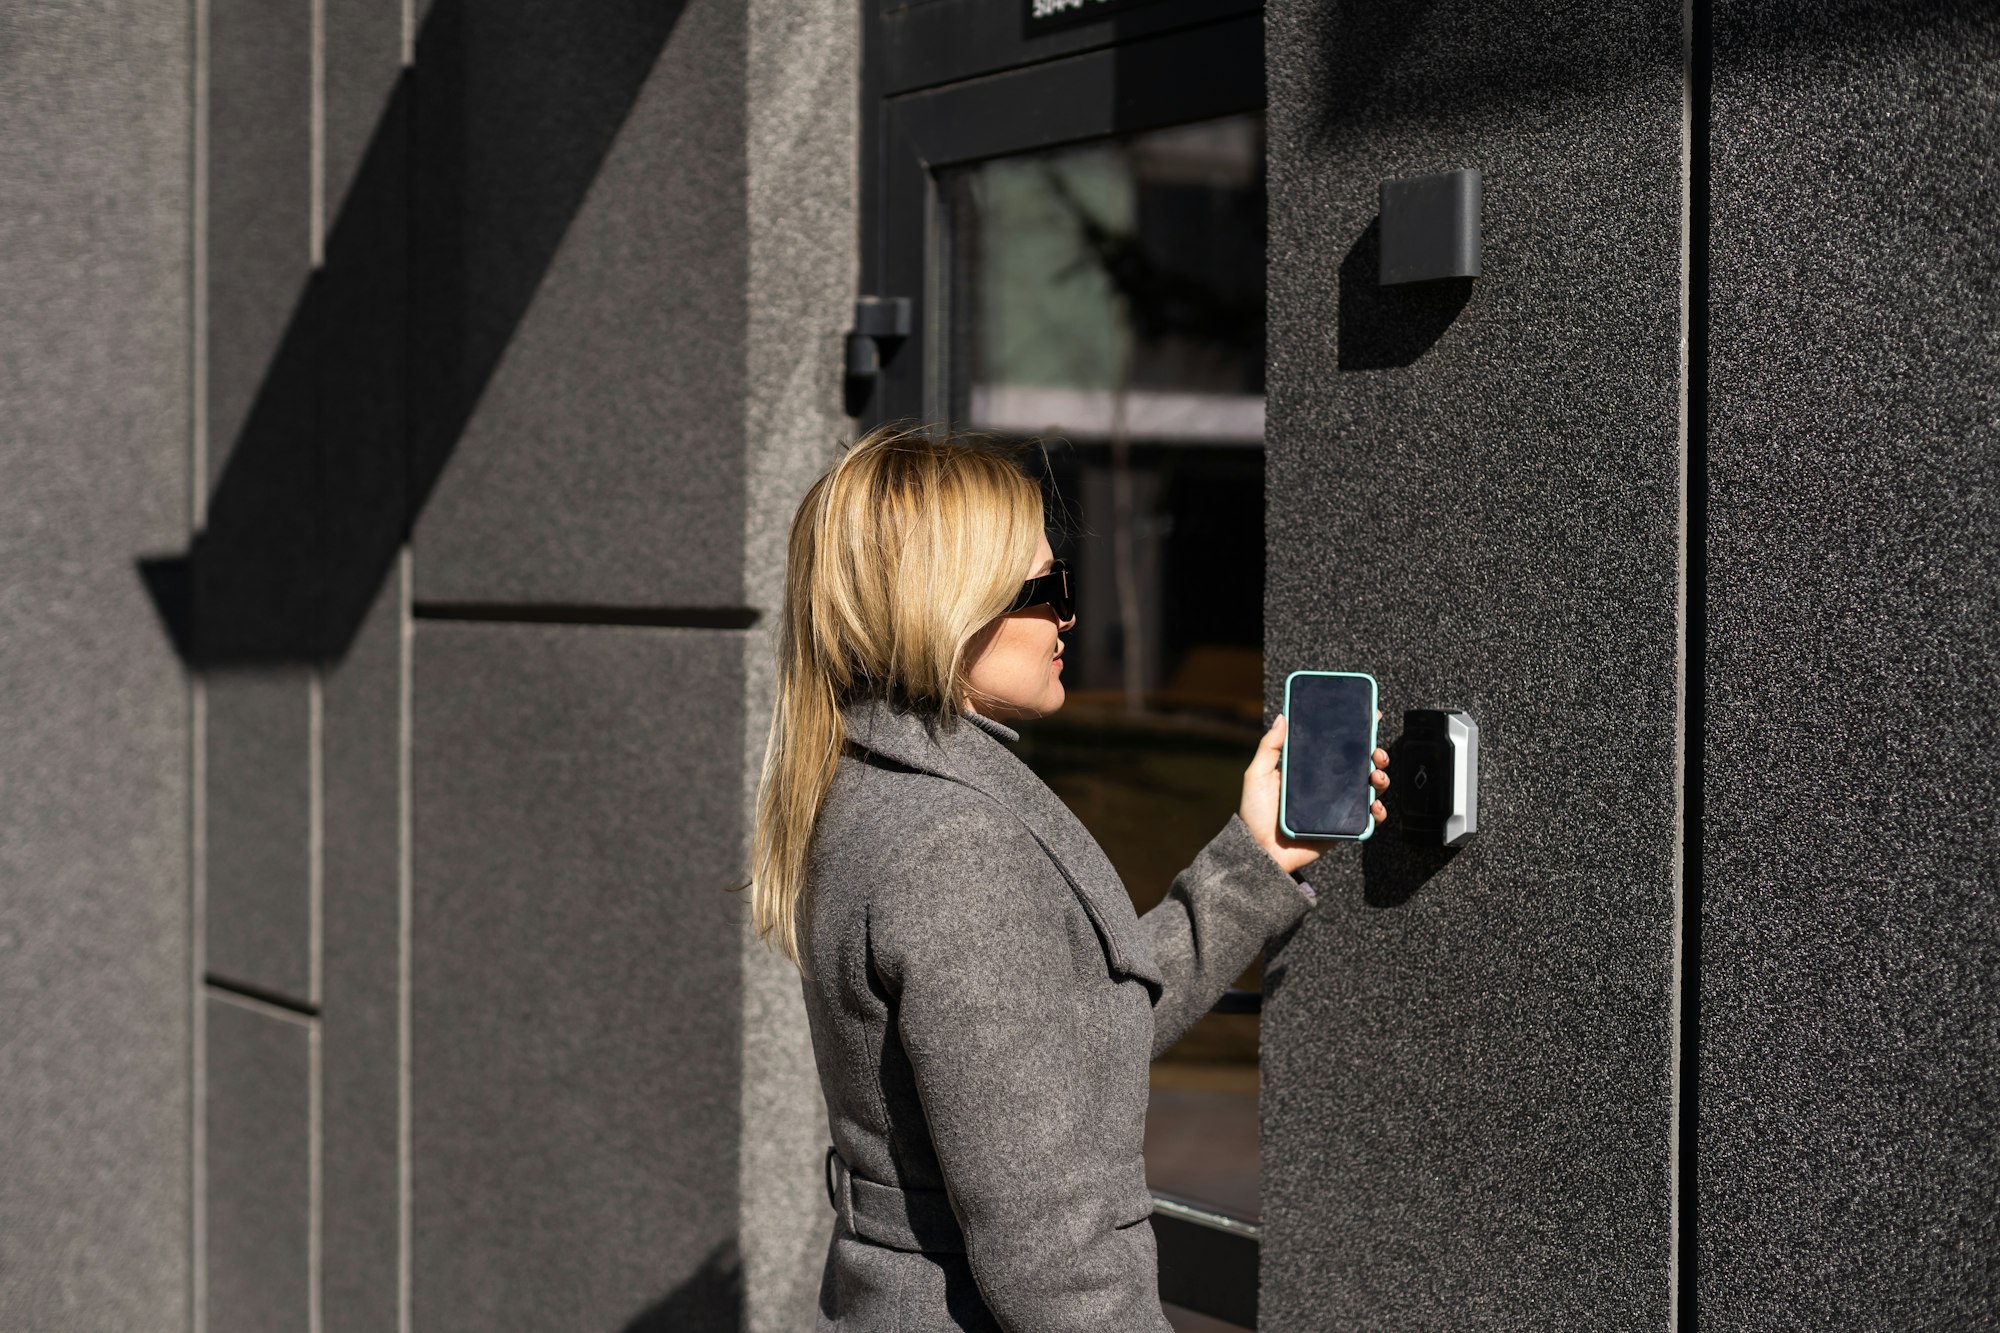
880, 325
1430, 227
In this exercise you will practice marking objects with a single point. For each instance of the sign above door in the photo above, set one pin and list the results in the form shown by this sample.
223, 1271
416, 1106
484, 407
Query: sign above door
1052, 13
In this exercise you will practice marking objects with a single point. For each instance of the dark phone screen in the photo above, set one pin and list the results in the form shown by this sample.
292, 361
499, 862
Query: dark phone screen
1328, 729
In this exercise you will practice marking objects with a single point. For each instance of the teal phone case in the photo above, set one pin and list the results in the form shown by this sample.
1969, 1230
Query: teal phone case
1285, 761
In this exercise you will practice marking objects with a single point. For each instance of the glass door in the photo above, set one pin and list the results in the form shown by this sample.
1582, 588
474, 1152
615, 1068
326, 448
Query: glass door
1081, 239
1105, 300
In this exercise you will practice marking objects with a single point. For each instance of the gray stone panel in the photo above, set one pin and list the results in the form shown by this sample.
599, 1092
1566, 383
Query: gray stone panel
259, 200
259, 816
359, 1017
258, 1168
1850, 927
603, 464
94, 934
1473, 492
802, 105
576, 977
364, 59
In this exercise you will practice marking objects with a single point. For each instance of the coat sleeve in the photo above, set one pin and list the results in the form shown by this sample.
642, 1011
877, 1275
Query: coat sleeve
1219, 913
974, 952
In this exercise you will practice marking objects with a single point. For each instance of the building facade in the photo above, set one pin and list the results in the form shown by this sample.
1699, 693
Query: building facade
408, 401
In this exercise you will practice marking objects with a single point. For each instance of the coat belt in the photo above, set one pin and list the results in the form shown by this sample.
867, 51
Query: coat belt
921, 1219
903, 1219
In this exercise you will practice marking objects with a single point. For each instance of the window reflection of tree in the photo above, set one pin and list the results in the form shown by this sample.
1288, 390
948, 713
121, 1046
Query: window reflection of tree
1158, 306
1109, 287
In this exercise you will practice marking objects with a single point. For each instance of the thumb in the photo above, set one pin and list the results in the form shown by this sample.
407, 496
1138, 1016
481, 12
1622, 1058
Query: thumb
1270, 748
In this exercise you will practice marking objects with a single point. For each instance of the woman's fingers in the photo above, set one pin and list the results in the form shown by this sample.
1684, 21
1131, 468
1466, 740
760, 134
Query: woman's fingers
1381, 758
1380, 779
1377, 811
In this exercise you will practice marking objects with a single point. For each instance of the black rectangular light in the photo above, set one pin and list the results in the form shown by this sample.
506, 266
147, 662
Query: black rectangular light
1430, 227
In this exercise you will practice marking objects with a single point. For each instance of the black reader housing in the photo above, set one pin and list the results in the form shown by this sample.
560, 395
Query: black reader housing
1437, 776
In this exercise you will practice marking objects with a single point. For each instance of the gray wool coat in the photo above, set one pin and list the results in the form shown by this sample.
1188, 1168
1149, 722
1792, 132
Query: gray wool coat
984, 1003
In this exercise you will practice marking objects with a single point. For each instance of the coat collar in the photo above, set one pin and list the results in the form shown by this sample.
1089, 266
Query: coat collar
971, 753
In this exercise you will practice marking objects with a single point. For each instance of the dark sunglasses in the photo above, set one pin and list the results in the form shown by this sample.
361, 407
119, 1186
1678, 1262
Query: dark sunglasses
1051, 588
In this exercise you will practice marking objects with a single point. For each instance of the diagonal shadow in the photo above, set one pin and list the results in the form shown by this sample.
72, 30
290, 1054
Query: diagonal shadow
479, 164
710, 1300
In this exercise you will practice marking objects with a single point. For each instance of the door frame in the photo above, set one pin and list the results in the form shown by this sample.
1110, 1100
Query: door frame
1128, 83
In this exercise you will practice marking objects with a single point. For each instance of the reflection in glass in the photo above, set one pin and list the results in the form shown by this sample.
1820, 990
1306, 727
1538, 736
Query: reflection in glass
1108, 299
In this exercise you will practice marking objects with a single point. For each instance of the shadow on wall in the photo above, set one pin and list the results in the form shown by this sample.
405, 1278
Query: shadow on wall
1434, 61
475, 172
1393, 868
710, 1301
1384, 327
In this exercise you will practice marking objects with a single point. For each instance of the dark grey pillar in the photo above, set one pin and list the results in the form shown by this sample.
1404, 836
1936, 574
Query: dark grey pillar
1474, 493
1850, 922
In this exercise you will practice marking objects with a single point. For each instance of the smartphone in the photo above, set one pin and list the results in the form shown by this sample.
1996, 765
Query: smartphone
1329, 753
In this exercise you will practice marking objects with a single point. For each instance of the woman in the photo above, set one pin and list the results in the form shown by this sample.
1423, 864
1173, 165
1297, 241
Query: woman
983, 999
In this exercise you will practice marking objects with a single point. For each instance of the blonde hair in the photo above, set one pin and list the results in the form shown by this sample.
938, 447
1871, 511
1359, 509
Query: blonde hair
909, 545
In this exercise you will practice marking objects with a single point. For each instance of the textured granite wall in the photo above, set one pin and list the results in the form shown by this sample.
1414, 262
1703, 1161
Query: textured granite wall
566, 296
1473, 492
1850, 927
602, 461
574, 977
493, 362
303, 308
94, 931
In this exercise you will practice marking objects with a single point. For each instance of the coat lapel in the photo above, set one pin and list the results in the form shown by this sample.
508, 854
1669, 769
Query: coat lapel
965, 754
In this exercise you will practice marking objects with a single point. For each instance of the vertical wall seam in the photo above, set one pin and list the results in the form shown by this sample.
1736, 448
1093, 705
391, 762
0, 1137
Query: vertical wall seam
1676, 1004
746, 1230
198, 280
1694, 656
405, 725
316, 137
315, 1177
315, 836
405, 863
197, 867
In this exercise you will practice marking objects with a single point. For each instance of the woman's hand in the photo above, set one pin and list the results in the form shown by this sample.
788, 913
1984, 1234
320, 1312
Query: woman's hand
1261, 783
